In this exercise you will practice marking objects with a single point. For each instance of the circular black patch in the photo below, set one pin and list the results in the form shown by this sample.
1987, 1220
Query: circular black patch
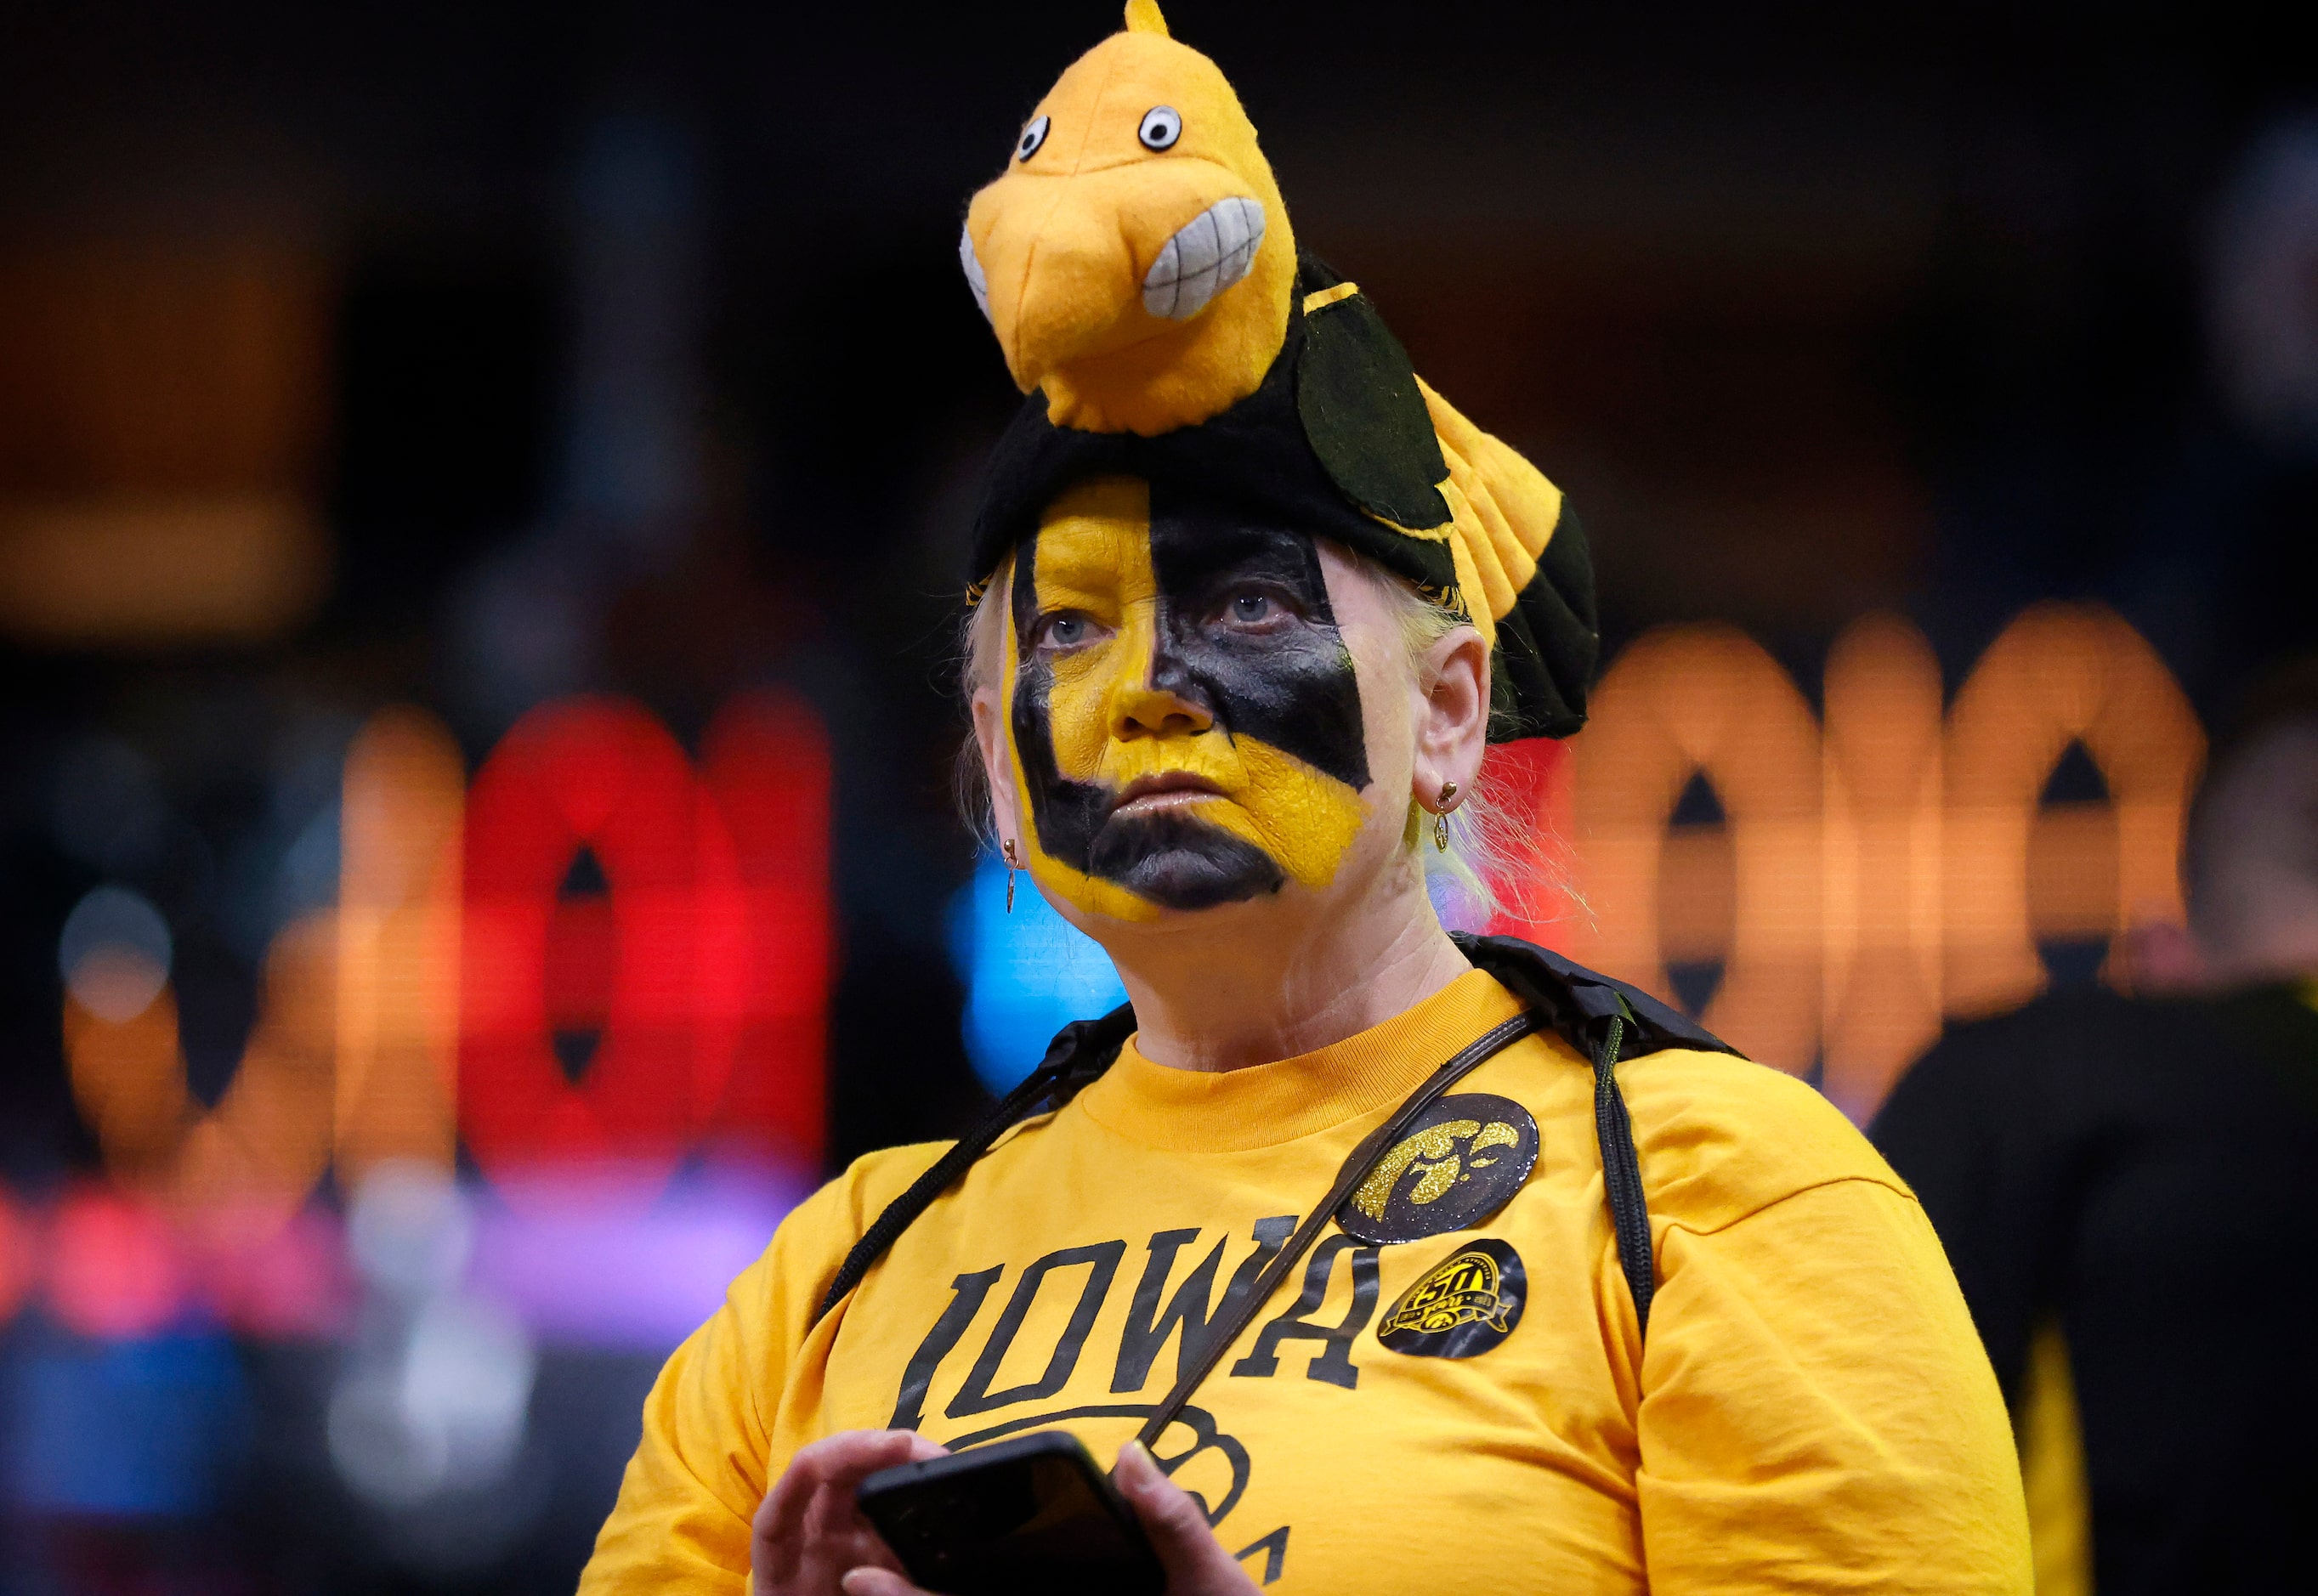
1460, 1307
1460, 1163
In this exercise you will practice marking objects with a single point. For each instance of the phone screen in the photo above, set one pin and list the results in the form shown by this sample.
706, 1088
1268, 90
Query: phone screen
1021, 1518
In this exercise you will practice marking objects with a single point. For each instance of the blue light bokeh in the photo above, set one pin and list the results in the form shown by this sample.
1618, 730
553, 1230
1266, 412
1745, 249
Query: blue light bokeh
1026, 974
131, 1429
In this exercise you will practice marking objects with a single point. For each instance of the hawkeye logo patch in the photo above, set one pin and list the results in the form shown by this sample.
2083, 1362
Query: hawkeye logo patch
1460, 1163
1462, 1307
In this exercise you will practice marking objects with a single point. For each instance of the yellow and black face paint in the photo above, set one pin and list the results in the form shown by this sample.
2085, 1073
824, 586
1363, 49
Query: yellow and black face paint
1161, 640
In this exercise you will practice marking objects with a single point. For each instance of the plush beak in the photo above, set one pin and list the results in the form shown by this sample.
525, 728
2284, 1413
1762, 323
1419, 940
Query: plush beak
1071, 269
1203, 258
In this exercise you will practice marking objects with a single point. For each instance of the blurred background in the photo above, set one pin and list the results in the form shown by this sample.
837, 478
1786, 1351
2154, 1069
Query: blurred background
481, 489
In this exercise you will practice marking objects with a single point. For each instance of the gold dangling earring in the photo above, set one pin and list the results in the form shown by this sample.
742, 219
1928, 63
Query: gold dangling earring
1010, 868
1440, 817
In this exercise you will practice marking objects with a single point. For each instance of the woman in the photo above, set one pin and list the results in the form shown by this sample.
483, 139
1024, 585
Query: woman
1251, 603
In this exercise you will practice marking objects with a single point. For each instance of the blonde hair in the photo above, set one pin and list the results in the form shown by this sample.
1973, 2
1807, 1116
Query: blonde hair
1484, 841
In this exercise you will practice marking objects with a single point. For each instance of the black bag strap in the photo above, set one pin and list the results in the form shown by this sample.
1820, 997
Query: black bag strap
1606, 1020
1079, 1053
1220, 1335
1579, 1003
1621, 1176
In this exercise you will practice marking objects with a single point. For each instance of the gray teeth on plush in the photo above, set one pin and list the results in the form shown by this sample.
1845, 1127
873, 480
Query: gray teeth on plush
975, 279
1208, 254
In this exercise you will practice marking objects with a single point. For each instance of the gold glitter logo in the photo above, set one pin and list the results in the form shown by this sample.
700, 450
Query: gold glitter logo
1454, 1169
1437, 1154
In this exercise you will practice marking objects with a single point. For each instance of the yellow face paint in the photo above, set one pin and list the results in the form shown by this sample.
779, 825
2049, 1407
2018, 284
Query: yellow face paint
1186, 717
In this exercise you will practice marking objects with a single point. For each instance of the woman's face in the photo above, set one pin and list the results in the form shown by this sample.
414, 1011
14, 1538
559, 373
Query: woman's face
1198, 710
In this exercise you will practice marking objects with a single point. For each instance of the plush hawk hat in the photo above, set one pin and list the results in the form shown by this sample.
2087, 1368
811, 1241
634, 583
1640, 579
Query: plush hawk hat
1136, 261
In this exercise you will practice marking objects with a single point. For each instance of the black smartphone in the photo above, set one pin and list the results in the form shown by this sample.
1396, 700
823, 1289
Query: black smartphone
1025, 1517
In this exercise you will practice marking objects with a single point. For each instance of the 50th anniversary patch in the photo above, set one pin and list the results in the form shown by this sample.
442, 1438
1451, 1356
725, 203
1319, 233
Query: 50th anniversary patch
1462, 1306
1459, 1164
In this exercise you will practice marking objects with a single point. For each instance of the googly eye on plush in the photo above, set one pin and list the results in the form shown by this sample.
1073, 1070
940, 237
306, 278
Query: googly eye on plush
1032, 136
1162, 126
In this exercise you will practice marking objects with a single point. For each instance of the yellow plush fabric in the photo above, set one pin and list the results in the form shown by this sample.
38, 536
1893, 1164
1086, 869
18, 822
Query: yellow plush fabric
1813, 1411
1064, 237
1503, 511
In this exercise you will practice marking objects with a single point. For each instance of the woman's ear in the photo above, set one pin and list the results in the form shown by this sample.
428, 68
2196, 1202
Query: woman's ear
990, 738
1452, 722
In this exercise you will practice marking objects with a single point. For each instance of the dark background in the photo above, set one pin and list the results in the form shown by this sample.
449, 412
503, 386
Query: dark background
1813, 312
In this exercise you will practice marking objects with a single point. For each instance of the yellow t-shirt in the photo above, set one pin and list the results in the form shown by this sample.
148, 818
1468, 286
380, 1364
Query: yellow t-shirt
1813, 1411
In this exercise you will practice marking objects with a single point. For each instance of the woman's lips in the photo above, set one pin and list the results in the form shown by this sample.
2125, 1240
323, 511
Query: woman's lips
1148, 794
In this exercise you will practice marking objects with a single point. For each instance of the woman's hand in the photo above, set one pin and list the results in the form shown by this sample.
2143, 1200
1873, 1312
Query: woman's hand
1196, 1562
808, 1533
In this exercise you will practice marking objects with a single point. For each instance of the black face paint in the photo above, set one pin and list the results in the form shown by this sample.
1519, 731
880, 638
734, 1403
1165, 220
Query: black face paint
1177, 863
1296, 689
1291, 687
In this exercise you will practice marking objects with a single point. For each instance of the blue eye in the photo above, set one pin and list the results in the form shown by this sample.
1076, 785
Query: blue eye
1065, 629
1250, 607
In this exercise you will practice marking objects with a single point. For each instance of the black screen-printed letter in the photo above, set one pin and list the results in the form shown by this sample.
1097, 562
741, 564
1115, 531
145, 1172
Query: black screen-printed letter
1333, 1362
909, 1401
1274, 1547
1148, 1327
975, 1396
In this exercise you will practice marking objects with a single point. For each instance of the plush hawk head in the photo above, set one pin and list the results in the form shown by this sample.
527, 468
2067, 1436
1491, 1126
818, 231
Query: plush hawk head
1136, 260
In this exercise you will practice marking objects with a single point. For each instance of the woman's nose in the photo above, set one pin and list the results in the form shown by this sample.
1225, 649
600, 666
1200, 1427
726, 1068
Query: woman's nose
1149, 708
